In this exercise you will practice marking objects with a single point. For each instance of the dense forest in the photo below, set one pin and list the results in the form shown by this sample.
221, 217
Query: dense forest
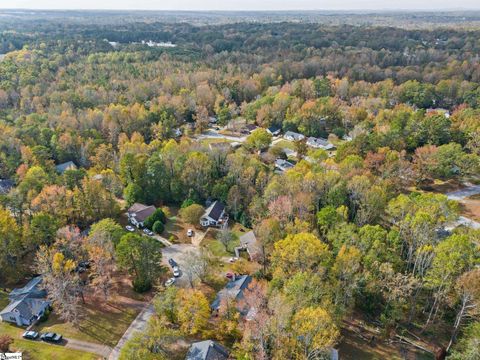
354, 234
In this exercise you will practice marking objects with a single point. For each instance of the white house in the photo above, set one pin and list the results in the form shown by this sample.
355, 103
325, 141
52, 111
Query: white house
283, 165
137, 213
215, 215
27, 304
293, 136
319, 143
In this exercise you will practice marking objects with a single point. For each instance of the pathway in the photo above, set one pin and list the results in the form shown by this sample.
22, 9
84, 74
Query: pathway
102, 350
464, 193
138, 325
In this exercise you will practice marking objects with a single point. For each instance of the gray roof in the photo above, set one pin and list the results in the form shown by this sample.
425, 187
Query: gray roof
31, 290
233, 289
215, 210
27, 307
141, 212
207, 350
69, 165
249, 241
294, 135
6, 185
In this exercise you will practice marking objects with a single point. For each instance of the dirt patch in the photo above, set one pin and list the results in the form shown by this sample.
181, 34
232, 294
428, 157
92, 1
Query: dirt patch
443, 186
470, 208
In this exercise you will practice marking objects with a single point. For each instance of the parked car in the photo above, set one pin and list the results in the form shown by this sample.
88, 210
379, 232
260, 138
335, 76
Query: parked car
148, 232
232, 259
189, 232
176, 271
130, 228
229, 275
172, 262
170, 282
51, 337
30, 335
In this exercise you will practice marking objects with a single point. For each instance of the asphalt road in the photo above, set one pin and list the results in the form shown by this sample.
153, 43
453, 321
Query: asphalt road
464, 193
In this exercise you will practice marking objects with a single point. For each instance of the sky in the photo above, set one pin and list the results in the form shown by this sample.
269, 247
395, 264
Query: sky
243, 4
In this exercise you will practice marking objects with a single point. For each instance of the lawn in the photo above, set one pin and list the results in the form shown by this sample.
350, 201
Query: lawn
100, 324
216, 247
285, 144
37, 350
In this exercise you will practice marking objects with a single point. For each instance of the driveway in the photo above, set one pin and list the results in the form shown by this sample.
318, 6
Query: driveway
102, 350
464, 193
178, 252
138, 325
213, 134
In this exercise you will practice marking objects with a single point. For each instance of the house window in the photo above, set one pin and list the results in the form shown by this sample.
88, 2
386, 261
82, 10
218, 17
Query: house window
12, 318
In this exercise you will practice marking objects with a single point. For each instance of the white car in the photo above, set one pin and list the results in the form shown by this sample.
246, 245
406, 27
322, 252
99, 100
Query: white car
189, 232
232, 259
176, 271
170, 282
148, 232
130, 228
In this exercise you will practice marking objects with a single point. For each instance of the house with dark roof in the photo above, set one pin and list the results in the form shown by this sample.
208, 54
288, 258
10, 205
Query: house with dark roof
232, 291
69, 165
6, 185
207, 350
215, 215
274, 130
27, 304
138, 213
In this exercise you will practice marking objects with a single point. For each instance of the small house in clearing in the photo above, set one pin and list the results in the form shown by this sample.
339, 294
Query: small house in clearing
27, 304
319, 143
283, 165
69, 165
214, 215
248, 242
207, 350
293, 136
138, 213
232, 291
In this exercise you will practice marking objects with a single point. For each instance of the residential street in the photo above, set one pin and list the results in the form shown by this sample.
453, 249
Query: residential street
464, 193
139, 324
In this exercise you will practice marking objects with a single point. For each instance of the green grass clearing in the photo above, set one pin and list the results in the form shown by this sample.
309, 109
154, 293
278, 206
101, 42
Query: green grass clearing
104, 325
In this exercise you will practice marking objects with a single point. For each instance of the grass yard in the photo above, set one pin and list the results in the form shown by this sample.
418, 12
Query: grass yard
285, 144
216, 247
36, 350
100, 324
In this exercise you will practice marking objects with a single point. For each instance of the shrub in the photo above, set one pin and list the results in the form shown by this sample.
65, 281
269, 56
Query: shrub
142, 285
158, 215
158, 227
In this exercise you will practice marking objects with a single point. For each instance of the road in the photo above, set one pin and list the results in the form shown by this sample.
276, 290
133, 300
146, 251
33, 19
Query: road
139, 324
213, 134
464, 193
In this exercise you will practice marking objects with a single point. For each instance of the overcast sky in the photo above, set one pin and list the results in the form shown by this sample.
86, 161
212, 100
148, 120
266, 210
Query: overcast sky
243, 4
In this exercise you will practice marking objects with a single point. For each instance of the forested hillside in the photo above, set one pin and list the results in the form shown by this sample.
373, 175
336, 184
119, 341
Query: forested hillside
359, 238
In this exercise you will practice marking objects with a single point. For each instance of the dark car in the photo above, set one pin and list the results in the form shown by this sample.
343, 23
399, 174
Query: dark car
172, 262
31, 335
51, 337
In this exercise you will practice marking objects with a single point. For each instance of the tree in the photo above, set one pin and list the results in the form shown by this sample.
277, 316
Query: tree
141, 256
468, 348
193, 311
42, 229
166, 304
158, 227
10, 246
157, 215
5, 342
259, 139
225, 236
192, 213
315, 332
105, 231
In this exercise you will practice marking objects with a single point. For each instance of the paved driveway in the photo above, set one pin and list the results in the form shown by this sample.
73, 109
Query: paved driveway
178, 252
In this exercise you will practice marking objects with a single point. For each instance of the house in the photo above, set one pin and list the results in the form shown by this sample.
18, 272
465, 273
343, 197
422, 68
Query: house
293, 136
248, 242
69, 165
27, 304
274, 130
24, 311
207, 350
5, 186
32, 290
234, 291
177, 132
215, 215
283, 165
249, 128
137, 213
319, 143
212, 120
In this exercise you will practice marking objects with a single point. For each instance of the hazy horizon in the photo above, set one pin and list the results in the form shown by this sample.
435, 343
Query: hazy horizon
242, 5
